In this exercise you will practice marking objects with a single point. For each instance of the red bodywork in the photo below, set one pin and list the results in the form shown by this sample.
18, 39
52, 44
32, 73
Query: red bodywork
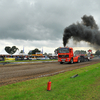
65, 54
66, 57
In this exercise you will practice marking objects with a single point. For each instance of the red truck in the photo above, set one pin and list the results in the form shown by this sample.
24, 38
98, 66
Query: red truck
65, 54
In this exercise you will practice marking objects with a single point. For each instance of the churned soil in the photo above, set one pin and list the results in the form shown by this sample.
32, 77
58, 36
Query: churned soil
12, 73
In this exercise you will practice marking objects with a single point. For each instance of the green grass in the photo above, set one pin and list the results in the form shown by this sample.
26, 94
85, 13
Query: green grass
86, 86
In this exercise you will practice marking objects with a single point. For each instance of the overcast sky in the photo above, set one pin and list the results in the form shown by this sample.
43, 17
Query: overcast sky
41, 23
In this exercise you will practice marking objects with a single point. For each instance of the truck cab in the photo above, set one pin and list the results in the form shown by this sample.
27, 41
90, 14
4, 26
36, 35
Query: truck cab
65, 54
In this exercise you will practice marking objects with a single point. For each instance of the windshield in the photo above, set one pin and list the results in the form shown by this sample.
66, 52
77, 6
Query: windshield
80, 52
63, 50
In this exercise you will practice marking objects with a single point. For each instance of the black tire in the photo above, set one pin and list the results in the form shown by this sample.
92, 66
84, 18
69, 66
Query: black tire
86, 59
79, 60
61, 62
71, 61
82, 59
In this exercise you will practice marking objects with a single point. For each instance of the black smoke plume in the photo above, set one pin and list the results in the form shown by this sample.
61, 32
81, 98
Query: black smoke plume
87, 31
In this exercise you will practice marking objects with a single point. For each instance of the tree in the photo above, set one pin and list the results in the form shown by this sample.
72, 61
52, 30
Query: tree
97, 52
56, 51
45, 53
21, 51
11, 50
34, 51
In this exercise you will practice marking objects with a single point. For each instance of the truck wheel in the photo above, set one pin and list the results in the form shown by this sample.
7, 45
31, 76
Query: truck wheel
82, 59
86, 59
79, 60
61, 62
71, 61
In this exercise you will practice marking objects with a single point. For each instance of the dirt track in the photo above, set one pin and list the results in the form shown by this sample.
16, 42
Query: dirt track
21, 72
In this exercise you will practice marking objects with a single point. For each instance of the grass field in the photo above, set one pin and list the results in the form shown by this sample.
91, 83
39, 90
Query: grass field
86, 86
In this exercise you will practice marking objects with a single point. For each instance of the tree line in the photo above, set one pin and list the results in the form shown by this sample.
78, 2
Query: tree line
13, 49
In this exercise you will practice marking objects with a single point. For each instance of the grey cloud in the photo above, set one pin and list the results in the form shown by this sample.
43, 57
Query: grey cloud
42, 20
